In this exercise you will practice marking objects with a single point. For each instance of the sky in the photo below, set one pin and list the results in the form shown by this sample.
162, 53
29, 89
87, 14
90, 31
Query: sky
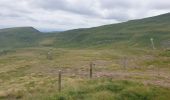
59, 15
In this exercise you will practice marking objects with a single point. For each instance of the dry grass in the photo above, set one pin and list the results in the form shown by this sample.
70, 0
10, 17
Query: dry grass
28, 73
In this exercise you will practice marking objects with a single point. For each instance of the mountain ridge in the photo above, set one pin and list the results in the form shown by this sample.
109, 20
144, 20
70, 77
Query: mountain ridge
19, 37
133, 33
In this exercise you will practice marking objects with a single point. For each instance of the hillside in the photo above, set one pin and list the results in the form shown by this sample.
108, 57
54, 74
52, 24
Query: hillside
110, 62
136, 33
19, 37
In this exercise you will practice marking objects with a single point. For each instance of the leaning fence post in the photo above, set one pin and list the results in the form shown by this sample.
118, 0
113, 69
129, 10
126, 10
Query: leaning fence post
59, 81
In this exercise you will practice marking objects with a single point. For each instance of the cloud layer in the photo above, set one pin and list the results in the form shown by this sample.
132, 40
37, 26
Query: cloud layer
69, 14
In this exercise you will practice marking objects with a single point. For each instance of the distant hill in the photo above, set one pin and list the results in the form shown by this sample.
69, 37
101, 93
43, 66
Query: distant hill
134, 33
19, 37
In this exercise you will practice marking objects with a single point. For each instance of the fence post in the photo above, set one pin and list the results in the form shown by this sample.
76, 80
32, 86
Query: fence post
125, 62
49, 56
152, 43
158, 71
91, 69
59, 81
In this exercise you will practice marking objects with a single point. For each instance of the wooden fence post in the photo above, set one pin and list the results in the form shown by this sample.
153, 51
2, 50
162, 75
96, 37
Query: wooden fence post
152, 43
49, 56
91, 69
59, 81
125, 62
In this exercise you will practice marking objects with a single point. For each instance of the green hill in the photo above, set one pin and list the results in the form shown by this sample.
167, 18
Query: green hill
19, 37
30, 62
136, 33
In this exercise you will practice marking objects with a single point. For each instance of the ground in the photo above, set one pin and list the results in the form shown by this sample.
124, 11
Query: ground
32, 74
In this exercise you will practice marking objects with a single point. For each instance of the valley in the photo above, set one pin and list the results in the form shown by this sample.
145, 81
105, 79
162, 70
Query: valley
126, 66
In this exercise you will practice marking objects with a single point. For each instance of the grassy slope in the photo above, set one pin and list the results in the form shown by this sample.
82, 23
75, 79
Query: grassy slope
27, 74
135, 33
19, 37
105, 89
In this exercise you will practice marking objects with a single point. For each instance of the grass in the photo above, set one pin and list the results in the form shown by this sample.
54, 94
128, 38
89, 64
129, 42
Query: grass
30, 61
27, 73
135, 34
105, 89
165, 53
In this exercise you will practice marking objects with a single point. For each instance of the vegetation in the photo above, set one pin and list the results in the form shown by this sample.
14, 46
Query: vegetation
135, 33
28, 74
126, 66
105, 89
19, 37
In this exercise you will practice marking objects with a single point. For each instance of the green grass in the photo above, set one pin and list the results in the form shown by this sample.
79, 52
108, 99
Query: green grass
165, 53
105, 89
19, 37
28, 74
130, 34
136, 33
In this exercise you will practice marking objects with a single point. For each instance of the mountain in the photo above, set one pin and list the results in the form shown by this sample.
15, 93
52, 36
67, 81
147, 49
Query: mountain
134, 33
19, 37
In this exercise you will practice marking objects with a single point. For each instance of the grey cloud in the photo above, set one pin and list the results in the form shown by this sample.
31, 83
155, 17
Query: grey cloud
50, 4
160, 5
115, 4
10, 15
119, 16
64, 5
89, 8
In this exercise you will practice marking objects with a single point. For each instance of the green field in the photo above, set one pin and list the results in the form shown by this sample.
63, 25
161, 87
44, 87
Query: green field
28, 74
126, 66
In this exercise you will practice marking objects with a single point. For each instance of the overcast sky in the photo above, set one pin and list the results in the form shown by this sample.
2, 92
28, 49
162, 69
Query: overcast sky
59, 15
